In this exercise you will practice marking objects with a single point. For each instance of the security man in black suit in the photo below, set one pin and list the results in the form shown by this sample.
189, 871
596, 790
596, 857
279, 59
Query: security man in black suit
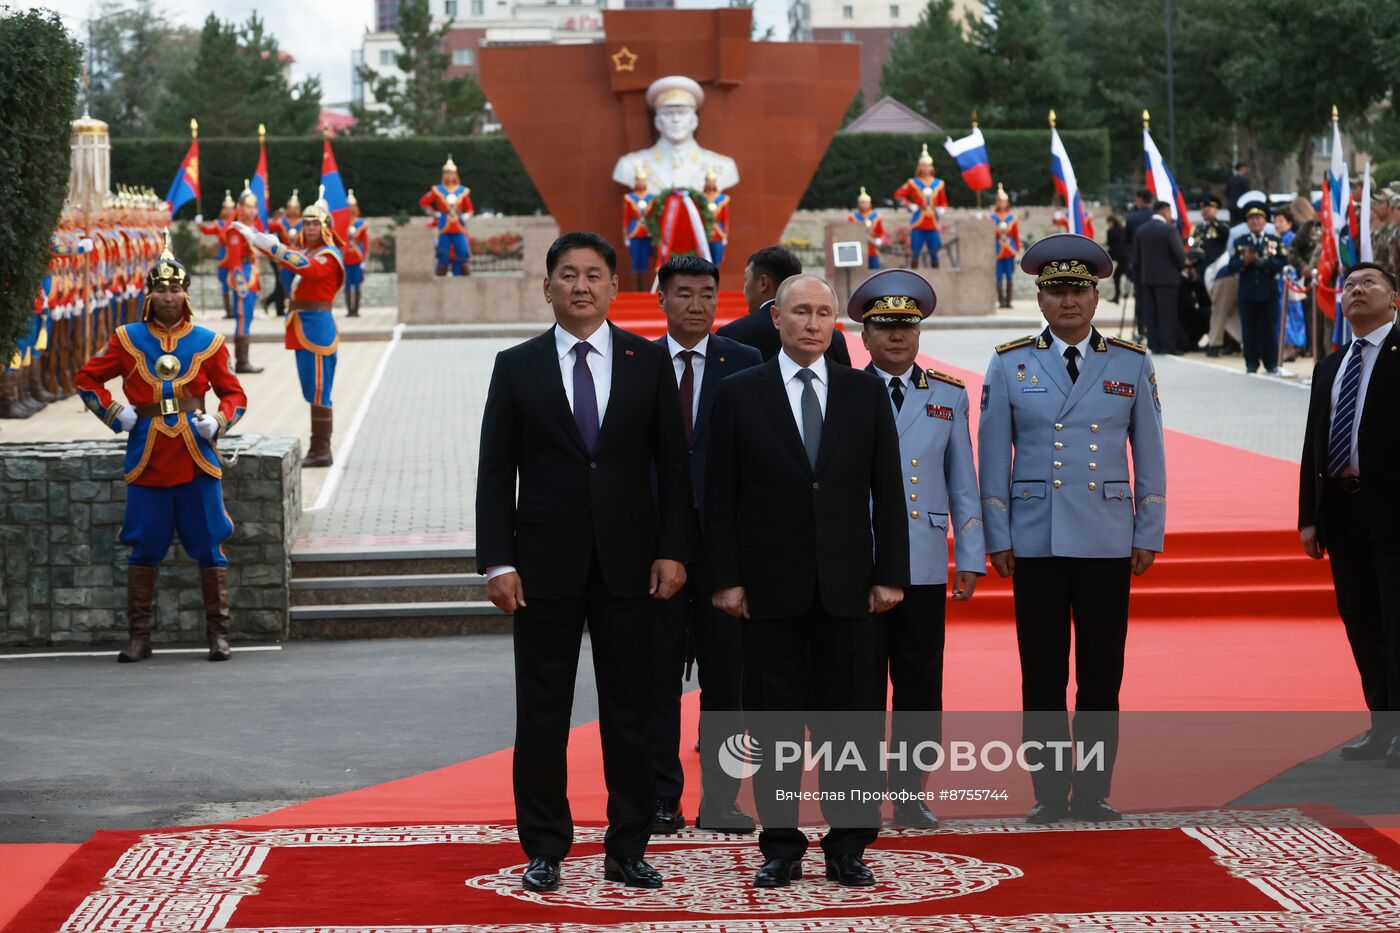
1346, 498
767, 269
805, 528
1159, 258
581, 416
688, 291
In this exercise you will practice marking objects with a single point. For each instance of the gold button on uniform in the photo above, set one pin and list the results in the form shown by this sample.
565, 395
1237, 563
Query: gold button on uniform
1093, 466
1059, 446
1057, 484
1094, 428
914, 462
1060, 427
1093, 486
913, 497
1093, 448
913, 514
914, 480
1058, 464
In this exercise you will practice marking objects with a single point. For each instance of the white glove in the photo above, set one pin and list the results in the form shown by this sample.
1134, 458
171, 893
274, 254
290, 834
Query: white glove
207, 426
263, 241
85, 244
126, 419
939, 211
199, 218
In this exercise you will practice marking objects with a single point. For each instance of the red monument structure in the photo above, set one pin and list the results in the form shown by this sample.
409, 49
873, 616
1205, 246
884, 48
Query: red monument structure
572, 111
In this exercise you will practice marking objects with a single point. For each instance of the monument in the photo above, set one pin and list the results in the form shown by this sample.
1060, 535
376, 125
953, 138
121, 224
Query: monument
676, 160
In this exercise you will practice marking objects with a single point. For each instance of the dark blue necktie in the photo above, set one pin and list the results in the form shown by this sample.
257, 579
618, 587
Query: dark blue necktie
1339, 439
811, 416
585, 397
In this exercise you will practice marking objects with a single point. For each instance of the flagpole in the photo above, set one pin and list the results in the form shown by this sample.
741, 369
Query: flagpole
974, 126
267, 180
194, 136
1052, 187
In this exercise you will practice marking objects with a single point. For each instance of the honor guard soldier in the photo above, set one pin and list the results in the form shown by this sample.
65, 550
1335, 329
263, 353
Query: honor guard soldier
1008, 230
940, 485
717, 205
356, 252
1070, 515
243, 277
173, 472
1258, 258
866, 214
635, 232
217, 230
927, 199
320, 271
286, 228
450, 205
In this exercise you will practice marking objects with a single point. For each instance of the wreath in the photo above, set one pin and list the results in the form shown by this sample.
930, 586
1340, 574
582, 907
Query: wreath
657, 208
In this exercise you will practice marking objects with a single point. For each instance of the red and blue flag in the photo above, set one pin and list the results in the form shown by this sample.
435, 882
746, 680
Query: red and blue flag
259, 183
185, 187
333, 190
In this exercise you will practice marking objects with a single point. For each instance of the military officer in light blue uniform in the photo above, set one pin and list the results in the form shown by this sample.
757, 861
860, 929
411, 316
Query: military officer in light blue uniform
1071, 513
940, 486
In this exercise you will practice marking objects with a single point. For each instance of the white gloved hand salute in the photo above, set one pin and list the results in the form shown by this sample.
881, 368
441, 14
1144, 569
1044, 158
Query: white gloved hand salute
262, 241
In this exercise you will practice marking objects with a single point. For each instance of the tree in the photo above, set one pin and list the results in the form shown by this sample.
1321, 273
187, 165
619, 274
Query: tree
426, 101
929, 68
236, 81
1024, 68
135, 54
39, 67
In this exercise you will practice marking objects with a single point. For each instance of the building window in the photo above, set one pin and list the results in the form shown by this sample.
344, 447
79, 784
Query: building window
478, 7
386, 56
451, 9
465, 57
847, 36
894, 11
848, 12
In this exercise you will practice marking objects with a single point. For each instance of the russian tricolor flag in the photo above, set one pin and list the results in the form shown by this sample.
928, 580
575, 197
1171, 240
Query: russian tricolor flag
259, 184
970, 152
1066, 186
185, 187
1161, 183
333, 190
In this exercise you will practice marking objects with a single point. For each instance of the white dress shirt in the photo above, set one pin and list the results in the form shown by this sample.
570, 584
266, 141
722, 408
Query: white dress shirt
697, 366
599, 364
1059, 346
1371, 353
907, 379
788, 367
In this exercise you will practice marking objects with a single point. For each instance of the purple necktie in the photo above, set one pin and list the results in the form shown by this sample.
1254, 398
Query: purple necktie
585, 397
687, 390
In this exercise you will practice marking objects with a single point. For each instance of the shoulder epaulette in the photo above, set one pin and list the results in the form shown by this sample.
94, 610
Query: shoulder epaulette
1127, 344
1014, 344
944, 377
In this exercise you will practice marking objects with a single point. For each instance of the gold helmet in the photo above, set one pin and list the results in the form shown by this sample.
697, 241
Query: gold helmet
228, 198
1001, 193
320, 211
167, 271
711, 176
449, 165
246, 196
863, 197
924, 157
294, 201
351, 199
641, 174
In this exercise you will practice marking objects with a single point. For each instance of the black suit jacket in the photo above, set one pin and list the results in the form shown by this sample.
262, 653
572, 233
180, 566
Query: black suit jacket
788, 533
723, 357
756, 330
570, 504
1158, 255
1378, 441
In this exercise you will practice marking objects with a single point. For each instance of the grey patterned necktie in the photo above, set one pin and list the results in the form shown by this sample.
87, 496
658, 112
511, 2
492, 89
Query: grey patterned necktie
811, 416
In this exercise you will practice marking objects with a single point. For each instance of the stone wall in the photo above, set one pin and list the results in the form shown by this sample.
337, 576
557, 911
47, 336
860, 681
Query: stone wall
61, 507
426, 298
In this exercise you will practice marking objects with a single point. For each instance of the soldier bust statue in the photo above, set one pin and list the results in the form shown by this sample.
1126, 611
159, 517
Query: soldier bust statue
676, 160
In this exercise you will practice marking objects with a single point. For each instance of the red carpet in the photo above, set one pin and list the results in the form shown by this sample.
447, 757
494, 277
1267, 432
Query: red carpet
1255, 870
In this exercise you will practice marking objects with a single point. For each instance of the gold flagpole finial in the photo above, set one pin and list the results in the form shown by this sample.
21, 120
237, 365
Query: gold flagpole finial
194, 128
974, 118
1334, 113
1146, 118
262, 132
1052, 119
325, 129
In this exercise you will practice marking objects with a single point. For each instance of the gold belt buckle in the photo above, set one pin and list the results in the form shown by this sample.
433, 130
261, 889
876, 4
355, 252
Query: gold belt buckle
169, 406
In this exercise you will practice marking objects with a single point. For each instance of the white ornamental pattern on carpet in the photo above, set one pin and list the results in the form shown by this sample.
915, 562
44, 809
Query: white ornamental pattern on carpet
193, 881
716, 880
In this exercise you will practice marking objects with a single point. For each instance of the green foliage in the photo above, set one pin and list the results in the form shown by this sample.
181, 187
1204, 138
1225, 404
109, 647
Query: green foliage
1022, 68
930, 67
856, 108
1020, 160
135, 55
658, 207
389, 175
425, 101
39, 68
236, 81
1383, 173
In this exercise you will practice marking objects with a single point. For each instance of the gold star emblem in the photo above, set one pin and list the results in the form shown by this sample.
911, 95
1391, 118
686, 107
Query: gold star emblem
624, 59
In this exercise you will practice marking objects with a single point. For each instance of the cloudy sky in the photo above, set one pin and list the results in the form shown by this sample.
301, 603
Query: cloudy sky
321, 34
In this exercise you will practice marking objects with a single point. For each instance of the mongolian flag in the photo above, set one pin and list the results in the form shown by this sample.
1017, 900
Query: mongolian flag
1066, 186
333, 190
970, 153
259, 183
185, 187
1161, 183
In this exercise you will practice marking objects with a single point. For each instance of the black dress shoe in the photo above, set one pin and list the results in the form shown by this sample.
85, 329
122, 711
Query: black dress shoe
669, 818
633, 872
777, 873
1374, 746
1044, 813
913, 815
1392, 757
724, 818
1093, 811
849, 871
542, 874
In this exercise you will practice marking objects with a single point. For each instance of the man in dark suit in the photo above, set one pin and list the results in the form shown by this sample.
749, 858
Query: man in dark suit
765, 271
584, 415
688, 290
1236, 187
1346, 500
805, 531
1159, 257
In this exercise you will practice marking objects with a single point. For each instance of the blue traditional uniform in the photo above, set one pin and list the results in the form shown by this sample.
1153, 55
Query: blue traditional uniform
450, 204
1062, 493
